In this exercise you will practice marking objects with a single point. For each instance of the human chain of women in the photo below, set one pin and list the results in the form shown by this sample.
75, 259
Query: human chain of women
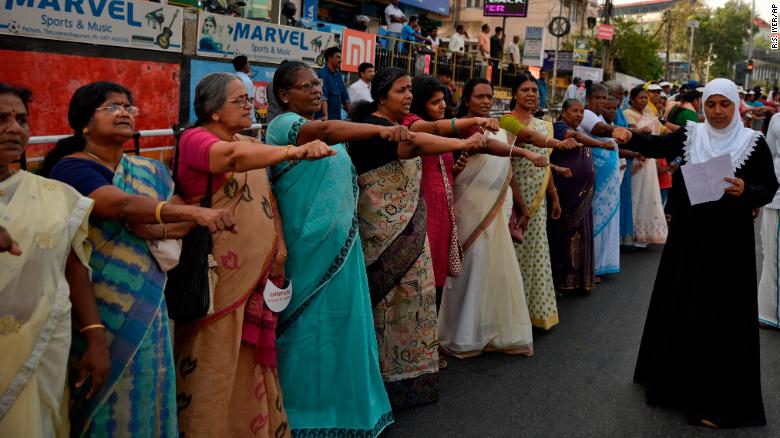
320, 281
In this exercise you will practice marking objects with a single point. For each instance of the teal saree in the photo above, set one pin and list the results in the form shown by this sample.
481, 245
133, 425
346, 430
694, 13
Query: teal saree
328, 357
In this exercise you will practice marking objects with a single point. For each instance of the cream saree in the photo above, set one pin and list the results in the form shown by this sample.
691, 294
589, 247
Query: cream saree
485, 308
648, 210
48, 220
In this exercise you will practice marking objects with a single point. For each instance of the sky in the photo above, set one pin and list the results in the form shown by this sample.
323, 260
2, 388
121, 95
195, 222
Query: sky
763, 7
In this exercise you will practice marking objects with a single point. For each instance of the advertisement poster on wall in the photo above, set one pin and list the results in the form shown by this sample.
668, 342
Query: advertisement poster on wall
221, 36
261, 77
533, 53
121, 23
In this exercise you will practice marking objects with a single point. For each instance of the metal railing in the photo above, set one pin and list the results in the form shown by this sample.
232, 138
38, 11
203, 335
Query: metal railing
420, 58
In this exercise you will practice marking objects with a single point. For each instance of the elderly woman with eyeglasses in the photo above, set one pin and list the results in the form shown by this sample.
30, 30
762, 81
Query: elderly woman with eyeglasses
130, 197
226, 364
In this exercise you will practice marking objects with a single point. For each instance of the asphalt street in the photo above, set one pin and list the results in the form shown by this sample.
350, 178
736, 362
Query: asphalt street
579, 381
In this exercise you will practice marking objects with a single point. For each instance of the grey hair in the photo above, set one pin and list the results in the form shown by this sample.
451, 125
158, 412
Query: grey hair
594, 88
611, 98
211, 94
613, 87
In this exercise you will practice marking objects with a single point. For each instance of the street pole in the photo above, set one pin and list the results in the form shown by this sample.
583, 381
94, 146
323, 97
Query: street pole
555, 61
607, 43
693, 24
749, 75
709, 63
668, 42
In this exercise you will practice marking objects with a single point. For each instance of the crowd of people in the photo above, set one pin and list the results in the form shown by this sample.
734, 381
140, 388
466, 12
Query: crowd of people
408, 234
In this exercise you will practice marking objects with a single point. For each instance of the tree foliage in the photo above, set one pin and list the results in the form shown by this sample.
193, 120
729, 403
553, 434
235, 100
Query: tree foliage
635, 52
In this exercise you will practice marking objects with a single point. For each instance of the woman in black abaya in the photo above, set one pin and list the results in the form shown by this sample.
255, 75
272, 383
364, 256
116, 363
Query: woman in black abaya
700, 347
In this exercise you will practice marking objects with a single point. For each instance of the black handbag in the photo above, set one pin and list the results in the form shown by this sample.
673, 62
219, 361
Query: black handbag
188, 290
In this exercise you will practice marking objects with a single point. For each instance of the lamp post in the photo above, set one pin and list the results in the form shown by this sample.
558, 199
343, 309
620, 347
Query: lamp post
749, 74
693, 25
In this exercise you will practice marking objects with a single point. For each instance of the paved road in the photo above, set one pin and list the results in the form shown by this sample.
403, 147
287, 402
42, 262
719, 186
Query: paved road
579, 382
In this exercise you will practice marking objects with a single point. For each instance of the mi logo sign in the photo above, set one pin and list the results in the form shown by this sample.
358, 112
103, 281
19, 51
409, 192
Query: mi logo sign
359, 47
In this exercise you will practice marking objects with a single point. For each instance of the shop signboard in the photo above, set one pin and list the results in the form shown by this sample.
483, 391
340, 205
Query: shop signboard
221, 36
121, 23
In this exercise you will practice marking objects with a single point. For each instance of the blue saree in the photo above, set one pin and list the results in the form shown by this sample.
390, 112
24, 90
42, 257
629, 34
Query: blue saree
139, 397
328, 357
626, 214
606, 205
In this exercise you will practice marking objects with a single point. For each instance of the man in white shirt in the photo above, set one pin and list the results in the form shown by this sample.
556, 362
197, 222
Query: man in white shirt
433, 39
241, 65
360, 90
571, 90
395, 19
458, 40
513, 55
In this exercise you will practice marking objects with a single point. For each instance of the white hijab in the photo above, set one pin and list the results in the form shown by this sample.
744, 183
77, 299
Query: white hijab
705, 141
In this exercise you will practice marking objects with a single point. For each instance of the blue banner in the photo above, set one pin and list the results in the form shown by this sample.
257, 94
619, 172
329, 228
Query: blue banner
441, 7
309, 11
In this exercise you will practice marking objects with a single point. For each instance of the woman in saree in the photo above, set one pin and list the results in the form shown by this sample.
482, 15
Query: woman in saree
648, 210
127, 193
606, 198
536, 185
392, 219
571, 236
484, 309
427, 115
43, 250
700, 347
328, 388
226, 363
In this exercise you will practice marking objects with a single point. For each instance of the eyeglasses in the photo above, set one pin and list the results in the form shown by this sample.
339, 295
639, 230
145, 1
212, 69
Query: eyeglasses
116, 108
242, 100
306, 87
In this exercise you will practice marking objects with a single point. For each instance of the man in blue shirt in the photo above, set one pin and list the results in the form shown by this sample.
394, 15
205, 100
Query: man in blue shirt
243, 72
410, 33
542, 84
334, 91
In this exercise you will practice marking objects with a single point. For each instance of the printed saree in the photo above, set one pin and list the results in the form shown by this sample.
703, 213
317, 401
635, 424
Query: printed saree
534, 253
400, 277
571, 236
484, 309
226, 367
328, 357
128, 285
48, 220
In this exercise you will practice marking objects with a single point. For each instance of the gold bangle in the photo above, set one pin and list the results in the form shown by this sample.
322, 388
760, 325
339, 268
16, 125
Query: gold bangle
92, 326
287, 151
546, 142
158, 212
165, 232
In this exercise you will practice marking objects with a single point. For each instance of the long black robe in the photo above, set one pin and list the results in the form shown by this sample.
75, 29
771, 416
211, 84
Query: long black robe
700, 347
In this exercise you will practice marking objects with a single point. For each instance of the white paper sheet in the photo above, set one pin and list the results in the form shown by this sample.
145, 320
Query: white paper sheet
704, 181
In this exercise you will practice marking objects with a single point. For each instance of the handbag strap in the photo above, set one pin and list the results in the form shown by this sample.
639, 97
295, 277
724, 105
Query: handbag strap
448, 191
205, 201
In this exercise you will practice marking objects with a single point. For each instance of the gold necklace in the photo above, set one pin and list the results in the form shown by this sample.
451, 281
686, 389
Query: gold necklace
102, 161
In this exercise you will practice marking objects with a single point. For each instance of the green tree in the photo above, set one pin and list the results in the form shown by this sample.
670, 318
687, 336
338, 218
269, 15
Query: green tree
635, 52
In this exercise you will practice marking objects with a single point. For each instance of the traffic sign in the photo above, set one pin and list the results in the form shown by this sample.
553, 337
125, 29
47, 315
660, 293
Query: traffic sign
605, 32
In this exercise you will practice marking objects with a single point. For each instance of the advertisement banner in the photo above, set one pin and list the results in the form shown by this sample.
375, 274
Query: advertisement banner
441, 7
505, 8
358, 47
261, 77
122, 23
221, 36
585, 73
309, 11
565, 60
533, 54
581, 51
